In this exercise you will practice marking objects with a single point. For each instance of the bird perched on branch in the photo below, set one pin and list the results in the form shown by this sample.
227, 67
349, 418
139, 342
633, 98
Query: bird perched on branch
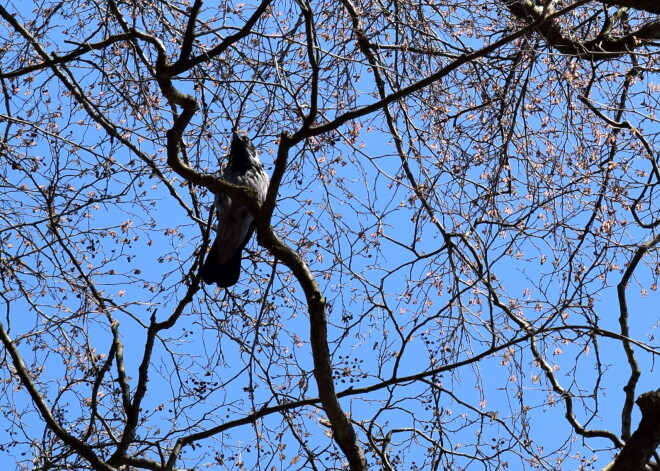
235, 222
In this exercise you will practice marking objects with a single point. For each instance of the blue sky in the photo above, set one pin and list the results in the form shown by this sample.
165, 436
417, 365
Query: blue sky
391, 284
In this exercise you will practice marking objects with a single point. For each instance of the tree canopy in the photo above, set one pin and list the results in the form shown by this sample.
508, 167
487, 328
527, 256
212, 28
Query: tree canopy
457, 254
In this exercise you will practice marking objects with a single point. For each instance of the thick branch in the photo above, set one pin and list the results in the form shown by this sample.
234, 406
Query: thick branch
311, 43
652, 6
638, 450
343, 431
604, 46
189, 36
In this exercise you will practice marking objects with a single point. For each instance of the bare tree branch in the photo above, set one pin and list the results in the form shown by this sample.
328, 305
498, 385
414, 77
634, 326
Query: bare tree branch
646, 5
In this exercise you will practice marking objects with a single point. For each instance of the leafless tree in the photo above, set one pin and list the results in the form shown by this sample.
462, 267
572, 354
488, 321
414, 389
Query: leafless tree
458, 251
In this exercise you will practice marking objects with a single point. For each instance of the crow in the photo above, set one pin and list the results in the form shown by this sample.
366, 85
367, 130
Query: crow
235, 222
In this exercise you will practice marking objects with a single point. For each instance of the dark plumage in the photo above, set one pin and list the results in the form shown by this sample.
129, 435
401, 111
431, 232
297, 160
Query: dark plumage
235, 223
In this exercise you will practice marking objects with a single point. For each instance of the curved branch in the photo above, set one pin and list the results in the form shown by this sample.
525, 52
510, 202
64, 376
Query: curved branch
343, 432
624, 315
604, 46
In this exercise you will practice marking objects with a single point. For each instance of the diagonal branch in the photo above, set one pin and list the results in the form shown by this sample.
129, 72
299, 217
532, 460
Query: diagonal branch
68, 57
343, 432
443, 72
189, 35
185, 63
603, 46
21, 370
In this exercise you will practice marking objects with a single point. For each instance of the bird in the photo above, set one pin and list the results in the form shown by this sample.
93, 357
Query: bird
235, 221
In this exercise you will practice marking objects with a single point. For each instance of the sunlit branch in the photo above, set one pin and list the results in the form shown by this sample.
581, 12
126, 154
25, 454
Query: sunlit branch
344, 434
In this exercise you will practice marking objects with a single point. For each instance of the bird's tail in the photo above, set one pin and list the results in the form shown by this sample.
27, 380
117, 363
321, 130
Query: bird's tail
222, 274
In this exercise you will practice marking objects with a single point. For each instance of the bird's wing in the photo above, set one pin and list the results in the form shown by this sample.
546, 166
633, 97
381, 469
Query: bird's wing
235, 222
235, 225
